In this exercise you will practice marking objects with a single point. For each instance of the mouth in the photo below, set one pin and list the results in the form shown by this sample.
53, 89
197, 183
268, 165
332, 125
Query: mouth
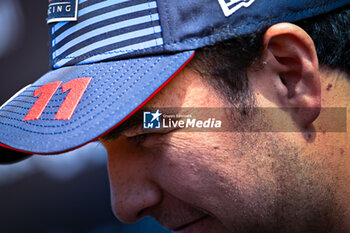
191, 226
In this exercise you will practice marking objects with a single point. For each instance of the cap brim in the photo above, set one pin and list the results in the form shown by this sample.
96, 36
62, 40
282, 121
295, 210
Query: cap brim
116, 90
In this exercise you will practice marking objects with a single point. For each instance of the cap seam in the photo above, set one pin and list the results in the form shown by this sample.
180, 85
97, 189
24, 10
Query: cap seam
168, 19
110, 52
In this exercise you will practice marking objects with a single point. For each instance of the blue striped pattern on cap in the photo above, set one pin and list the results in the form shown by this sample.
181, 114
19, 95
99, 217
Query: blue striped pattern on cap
106, 29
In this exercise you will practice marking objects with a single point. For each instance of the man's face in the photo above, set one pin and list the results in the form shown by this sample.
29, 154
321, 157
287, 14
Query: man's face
205, 181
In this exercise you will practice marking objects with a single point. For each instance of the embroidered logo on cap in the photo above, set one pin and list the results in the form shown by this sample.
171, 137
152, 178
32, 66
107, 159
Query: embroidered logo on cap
231, 6
62, 11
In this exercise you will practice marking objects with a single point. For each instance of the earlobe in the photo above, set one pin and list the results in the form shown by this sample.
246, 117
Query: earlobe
292, 59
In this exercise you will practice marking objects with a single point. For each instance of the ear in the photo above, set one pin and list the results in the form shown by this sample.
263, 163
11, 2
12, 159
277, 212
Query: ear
290, 72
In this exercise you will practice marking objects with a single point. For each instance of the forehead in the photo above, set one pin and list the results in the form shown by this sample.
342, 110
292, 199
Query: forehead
187, 89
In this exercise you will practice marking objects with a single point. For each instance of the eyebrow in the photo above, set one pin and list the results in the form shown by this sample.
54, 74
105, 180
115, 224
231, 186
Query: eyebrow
134, 121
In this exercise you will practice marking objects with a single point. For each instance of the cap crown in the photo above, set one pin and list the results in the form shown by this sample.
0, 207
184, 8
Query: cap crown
111, 29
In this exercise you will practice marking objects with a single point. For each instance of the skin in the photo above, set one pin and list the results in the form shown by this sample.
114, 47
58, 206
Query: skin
243, 182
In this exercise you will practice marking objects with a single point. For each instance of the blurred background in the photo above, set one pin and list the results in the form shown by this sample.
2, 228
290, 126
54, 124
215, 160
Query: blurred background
68, 193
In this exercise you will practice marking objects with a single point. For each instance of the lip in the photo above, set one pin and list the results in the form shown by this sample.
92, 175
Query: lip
191, 226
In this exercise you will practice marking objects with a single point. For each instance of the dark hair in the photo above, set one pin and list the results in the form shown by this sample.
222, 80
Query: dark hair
225, 65
331, 35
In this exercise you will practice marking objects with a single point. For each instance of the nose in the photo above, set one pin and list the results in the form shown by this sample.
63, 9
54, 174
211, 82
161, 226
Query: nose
133, 190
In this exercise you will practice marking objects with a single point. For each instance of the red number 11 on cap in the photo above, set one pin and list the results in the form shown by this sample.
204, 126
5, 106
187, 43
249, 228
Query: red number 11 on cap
77, 88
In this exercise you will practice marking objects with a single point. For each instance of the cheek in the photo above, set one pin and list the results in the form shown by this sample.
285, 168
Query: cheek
195, 169
215, 173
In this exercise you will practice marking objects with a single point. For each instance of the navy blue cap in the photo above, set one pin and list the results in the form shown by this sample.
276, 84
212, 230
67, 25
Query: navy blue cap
109, 57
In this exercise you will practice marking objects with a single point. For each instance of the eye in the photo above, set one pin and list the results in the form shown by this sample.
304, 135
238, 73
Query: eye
139, 139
